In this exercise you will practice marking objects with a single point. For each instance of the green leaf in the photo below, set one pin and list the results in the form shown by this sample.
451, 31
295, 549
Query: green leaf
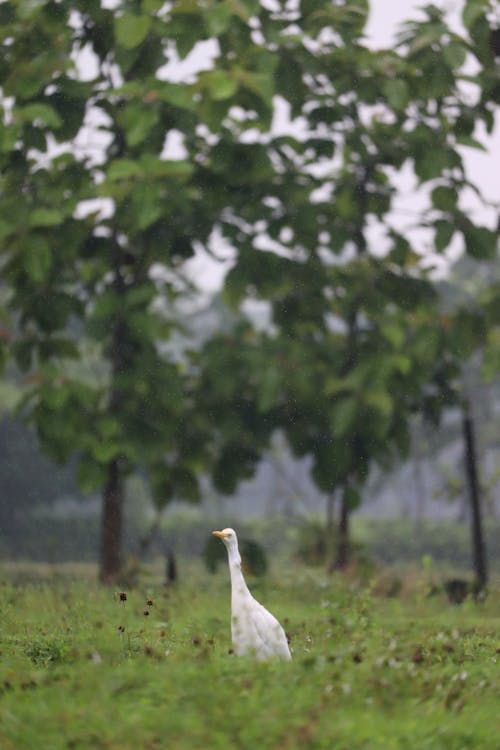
186, 28
444, 198
401, 363
7, 228
180, 95
473, 10
431, 33
185, 484
261, 84
397, 93
123, 169
144, 207
45, 217
334, 386
152, 6
351, 497
154, 167
42, 113
30, 8
379, 400
345, 413
217, 18
394, 333
481, 242
252, 8
467, 140
131, 29
61, 348
289, 82
455, 54
37, 258
90, 474
138, 121
9, 135
444, 231
432, 162
346, 203
491, 361
106, 451
221, 85
269, 387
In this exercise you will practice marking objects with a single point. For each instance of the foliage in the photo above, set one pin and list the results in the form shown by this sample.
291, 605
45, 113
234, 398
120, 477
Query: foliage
357, 340
253, 556
401, 673
314, 546
114, 274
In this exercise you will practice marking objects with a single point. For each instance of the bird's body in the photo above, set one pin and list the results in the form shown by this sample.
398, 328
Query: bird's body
254, 630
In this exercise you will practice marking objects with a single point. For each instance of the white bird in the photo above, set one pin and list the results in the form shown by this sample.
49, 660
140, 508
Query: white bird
254, 630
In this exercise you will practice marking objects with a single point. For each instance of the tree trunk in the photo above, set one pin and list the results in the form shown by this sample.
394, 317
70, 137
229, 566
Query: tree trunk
170, 568
110, 563
342, 557
330, 507
478, 546
343, 550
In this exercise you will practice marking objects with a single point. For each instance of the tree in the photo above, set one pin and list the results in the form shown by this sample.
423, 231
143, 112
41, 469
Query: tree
358, 340
354, 346
77, 271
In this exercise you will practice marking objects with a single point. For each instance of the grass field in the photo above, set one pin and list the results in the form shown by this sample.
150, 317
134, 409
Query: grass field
79, 668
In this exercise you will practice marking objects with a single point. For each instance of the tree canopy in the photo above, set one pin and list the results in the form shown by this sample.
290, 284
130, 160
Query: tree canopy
94, 242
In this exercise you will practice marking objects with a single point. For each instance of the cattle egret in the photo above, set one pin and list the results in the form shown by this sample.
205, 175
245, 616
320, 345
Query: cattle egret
254, 630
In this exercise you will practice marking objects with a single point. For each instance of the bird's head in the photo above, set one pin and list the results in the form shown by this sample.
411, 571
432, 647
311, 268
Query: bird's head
228, 536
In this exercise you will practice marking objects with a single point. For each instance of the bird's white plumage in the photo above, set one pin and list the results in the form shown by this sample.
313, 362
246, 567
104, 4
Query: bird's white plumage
254, 630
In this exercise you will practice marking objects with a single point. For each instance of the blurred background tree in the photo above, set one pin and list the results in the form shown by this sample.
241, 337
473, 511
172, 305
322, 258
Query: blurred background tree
359, 339
94, 242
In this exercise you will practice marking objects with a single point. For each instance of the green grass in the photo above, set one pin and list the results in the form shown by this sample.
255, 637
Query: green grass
81, 669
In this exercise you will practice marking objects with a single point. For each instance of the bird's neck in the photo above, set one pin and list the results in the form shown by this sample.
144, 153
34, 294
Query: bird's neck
237, 580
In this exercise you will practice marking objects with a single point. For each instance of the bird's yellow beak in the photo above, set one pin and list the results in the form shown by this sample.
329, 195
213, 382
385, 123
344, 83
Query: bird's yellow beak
220, 534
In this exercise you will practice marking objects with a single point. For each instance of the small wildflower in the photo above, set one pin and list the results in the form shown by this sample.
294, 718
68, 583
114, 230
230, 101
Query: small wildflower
146, 612
123, 596
121, 628
149, 602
